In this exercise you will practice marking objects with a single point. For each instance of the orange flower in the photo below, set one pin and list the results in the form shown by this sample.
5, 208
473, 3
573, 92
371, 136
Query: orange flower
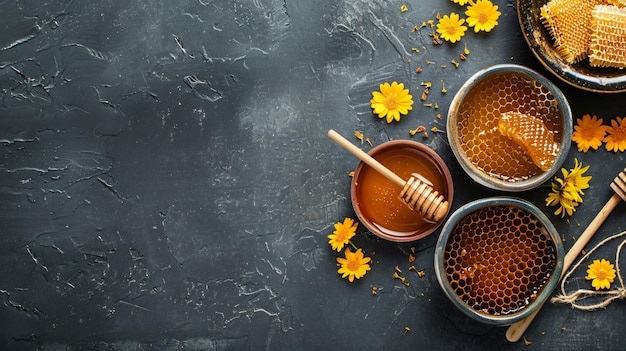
589, 132
616, 138
355, 265
342, 234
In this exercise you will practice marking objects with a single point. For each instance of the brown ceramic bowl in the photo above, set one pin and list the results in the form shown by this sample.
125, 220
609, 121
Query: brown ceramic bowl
376, 199
581, 75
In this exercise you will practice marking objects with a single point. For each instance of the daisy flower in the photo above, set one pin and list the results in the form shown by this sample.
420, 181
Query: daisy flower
355, 265
567, 192
342, 234
589, 132
616, 137
451, 27
601, 273
482, 15
391, 101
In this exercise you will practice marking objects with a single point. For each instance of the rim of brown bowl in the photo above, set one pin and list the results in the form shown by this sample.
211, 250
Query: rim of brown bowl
437, 160
581, 74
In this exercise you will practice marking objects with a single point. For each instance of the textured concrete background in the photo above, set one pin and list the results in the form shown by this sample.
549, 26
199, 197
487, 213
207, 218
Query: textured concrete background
166, 181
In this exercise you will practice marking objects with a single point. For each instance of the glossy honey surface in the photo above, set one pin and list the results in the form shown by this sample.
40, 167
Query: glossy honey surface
378, 198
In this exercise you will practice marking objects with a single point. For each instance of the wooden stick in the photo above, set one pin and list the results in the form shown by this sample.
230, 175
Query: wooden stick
517, 329
363, 156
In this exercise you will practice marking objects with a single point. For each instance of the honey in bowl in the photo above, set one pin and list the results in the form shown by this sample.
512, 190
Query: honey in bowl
489, 147
498, 259
376, 199
509, 127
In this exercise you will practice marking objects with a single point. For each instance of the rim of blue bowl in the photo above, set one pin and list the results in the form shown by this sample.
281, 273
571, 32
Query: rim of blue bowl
471, 207
481, 177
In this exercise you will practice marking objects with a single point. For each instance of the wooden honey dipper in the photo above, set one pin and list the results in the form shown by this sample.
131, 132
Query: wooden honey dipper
517, 329
417, 194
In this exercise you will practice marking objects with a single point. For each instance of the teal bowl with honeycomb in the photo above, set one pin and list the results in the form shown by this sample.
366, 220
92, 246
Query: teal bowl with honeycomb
498, 160
498, 259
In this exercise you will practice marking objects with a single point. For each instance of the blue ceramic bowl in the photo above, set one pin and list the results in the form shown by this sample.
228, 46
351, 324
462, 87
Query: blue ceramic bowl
498, 259
474, 114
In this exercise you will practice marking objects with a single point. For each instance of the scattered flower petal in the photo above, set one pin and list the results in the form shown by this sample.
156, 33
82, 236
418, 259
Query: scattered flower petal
359, 135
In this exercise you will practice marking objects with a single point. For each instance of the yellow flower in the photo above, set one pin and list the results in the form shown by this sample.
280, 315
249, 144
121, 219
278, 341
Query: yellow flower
482, 15
567, 192
391, 101
342, 234
616, 139
601, 273
355, 265
451, 27
589, 132
461, 2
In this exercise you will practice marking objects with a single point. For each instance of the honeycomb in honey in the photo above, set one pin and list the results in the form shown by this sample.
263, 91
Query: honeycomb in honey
532, 135
498, 258
616, 2
608, 37
569, 23
484, 146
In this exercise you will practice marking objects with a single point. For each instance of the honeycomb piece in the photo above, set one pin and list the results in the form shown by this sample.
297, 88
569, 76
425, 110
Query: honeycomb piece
608, 37
498, 258
532, 135
620, 3
569, 23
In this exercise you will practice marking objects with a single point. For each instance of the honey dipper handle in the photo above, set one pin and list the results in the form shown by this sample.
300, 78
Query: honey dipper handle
590, 231
517, 329
363, 156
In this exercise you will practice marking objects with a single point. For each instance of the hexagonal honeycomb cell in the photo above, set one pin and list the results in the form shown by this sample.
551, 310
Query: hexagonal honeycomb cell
498, 258
484, 145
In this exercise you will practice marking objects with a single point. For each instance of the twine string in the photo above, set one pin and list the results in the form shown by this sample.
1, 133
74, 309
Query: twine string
581, 294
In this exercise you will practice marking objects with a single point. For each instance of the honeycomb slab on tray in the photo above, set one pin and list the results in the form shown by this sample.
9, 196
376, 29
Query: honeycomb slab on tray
569, 23
608, 37
587, 28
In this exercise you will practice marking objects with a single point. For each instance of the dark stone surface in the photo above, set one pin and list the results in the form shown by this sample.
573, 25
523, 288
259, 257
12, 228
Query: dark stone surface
166, 181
